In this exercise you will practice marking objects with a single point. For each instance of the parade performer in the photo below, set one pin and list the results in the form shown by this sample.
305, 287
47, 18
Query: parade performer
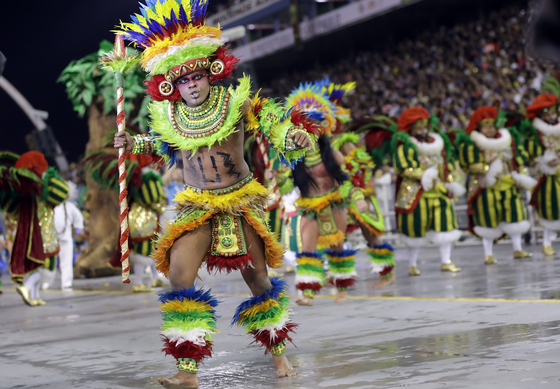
324, 189
360, 166
543, 145
220, 219
424, 161
29, 191
67, 218
495, 159
147, 201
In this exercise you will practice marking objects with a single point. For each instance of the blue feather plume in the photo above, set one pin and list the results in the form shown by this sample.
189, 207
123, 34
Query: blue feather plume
278, 287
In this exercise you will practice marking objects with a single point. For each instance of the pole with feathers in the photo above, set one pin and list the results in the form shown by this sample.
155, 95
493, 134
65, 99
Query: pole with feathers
119, 62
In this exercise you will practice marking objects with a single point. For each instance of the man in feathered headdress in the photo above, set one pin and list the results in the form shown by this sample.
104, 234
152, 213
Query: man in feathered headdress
324, 190
425, 212
495, 159
220, 217
543, 146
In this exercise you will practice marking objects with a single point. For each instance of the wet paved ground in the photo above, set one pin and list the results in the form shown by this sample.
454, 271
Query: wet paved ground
486, 327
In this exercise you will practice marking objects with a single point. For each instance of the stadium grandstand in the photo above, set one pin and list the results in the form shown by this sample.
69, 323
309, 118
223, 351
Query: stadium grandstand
449, 56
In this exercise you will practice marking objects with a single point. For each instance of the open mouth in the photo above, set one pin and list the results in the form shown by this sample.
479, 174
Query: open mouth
195, 94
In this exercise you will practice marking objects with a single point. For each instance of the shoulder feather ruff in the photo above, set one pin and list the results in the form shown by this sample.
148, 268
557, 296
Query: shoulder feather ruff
429, 148
502, 143
545, 128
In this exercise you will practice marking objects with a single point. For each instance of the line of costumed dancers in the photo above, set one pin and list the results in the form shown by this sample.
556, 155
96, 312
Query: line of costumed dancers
307, 151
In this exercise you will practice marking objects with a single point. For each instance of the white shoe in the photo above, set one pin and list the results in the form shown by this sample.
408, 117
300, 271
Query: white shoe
67, 289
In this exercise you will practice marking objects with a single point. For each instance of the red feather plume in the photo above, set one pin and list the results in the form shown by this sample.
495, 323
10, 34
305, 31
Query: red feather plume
230, 61
187, 350
263, 337
309, 124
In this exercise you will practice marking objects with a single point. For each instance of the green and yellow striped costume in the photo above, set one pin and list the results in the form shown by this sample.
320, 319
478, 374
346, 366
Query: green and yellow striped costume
419, 211
500, 203
546, 195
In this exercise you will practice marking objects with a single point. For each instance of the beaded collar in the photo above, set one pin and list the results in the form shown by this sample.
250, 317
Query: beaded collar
206, 119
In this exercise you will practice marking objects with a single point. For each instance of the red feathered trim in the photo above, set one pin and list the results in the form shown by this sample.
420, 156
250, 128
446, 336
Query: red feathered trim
314, 286
344, 283
152, 89
301, 118
375, 138
228, 264
386, 270
352, 228
263, 337
187, 350
224, 54
34, 161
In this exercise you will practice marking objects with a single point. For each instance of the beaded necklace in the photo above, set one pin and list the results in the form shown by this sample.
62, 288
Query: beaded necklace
206, 119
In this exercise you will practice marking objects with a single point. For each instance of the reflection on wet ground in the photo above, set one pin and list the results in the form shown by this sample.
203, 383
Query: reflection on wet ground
110, 340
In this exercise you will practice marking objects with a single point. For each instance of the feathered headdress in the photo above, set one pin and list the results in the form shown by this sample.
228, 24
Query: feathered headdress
311, 99
177, 42
336, 93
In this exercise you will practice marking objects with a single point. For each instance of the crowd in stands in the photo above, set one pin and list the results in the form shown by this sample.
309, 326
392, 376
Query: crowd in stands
451, 71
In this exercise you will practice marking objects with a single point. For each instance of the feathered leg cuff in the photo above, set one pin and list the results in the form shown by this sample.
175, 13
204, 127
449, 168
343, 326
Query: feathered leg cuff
189, 320
310, 272
267, 317
342, 268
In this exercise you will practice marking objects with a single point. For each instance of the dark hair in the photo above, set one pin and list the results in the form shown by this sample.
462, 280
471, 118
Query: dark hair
302, 179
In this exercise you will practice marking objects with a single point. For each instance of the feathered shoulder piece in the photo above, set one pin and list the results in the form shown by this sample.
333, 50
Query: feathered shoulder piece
312, 99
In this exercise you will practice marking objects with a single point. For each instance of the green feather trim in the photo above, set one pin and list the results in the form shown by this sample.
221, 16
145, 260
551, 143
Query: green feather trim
551, 85
163, 129
185, 325
9, 156
188, 315
449, 149
287, 186
461, 138
169, 62
401, 136
345, 189
123, 65
340, 139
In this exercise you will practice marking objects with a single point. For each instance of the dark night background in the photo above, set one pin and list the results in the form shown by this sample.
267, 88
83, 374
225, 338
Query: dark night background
39, 39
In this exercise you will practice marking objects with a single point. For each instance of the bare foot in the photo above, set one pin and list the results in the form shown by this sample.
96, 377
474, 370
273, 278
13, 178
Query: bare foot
384, 282
305, 301
284, 367
180, 380
341, 297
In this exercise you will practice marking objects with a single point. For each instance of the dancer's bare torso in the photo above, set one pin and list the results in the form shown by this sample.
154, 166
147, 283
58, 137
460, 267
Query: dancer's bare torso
219, 166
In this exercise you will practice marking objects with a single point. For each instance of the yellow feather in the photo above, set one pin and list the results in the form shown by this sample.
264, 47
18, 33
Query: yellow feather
184, 306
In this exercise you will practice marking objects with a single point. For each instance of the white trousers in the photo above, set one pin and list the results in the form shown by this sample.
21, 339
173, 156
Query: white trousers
65, 257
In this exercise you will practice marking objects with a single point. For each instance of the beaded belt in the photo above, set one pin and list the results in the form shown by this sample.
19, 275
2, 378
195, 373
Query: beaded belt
223, 191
